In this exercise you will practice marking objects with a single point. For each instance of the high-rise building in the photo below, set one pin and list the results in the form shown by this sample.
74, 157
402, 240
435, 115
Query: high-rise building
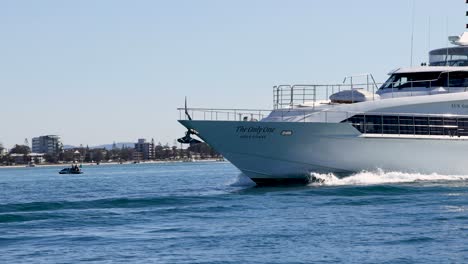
145, 148
49, 144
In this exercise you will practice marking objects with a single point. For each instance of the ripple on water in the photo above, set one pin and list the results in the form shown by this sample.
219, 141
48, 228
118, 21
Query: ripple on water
187, 213
100, 204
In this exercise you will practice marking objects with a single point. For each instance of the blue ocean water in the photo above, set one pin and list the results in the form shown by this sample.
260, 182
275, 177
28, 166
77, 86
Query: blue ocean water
206, 213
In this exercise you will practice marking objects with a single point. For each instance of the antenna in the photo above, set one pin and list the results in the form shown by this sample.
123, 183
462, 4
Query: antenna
429, 34
412, 35
447, 35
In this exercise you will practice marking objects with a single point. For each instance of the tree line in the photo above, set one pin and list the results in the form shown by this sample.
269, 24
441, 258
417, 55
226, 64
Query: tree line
123, 154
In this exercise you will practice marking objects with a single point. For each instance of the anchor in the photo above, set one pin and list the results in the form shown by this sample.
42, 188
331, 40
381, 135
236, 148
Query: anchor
187, 139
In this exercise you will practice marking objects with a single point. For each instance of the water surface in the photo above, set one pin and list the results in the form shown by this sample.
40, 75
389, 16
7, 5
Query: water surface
204, 213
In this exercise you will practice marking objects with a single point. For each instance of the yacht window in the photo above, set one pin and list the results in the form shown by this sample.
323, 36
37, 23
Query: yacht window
389, 82
460, 63
373, 124
453, 56
390, 125
455, 79
463, 126
421, 121
406, 125
436, 130
450, 126
410, 125
357, 121
409, 80
456, 63
390, 120
435, 121
421, 125
372, 128
458, 57
421, 130
436, 126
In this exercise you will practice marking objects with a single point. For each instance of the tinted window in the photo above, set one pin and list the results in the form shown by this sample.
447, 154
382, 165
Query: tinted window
421, 121
408, 125
357, 121
421, 130
390, 129
436, 121
408, 80
390, 120
456, 79
373, 124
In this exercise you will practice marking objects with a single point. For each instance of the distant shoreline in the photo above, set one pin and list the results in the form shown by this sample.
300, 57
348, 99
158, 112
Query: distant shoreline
106, 163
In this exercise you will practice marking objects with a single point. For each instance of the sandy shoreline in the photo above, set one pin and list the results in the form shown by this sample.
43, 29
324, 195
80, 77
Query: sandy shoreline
104, 163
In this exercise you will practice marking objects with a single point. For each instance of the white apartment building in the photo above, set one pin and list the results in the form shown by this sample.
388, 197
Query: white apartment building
49, 144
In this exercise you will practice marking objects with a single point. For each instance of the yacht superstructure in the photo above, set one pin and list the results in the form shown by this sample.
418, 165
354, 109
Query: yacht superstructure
417, 121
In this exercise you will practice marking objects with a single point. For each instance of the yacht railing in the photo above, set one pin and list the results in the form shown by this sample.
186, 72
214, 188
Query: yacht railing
287, 96
296, 115
223, 114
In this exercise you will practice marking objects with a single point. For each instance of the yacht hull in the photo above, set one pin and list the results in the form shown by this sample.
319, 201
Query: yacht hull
288, 152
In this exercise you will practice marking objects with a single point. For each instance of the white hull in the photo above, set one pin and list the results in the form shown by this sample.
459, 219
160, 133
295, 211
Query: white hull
265, 152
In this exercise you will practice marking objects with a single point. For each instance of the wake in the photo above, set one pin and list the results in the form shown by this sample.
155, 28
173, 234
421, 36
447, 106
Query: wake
379, 177
241, 181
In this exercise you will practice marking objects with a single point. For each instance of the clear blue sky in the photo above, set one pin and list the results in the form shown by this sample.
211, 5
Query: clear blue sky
101, 71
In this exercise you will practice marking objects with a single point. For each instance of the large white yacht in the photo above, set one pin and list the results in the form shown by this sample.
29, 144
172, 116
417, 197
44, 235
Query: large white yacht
417, 121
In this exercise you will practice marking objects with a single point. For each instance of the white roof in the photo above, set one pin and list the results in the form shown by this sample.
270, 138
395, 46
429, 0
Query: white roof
429, 69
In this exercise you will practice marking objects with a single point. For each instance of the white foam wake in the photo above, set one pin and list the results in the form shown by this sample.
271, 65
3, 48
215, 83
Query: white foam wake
380, 177
242, 181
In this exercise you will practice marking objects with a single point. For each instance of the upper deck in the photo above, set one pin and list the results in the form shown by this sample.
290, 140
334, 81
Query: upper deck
451, 56
308, 98
446, 74
403, 82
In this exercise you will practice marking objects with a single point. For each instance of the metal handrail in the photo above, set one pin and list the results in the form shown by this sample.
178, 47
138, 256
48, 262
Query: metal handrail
229, 114
218, 114
290, 95
286, 95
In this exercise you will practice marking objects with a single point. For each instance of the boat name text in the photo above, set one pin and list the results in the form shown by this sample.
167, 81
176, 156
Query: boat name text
257, 129
254, 132
460, 106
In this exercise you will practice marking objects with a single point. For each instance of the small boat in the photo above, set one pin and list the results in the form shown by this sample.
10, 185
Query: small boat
72, 170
